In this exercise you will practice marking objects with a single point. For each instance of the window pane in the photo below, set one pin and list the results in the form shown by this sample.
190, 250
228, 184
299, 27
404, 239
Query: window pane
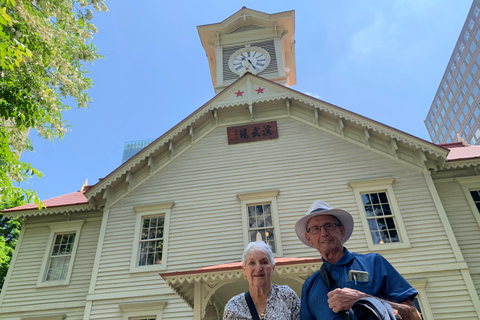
380, 218
260, 223
151, 240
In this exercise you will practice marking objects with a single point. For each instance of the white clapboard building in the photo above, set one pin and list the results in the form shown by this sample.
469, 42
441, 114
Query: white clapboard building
161, 236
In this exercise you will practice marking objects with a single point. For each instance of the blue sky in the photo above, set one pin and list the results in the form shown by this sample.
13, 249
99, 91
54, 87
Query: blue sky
381, 59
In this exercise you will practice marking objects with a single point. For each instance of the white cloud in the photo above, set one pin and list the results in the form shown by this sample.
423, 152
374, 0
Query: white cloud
313, 95
371, 39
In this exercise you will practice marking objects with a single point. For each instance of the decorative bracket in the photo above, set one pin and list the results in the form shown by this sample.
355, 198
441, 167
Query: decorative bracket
366, 134
107, 195
394, 147
190, 131
421, 156
129, 180
250, 108
288, 107
215, 115
150, 163
170, 148
342, 126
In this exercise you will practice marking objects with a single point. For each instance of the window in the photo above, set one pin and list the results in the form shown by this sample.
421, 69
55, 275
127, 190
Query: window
476, 198
471, 189
472, 47
475, 91
450, 96
469, 79
471, 24
463, 68
459, 78
470, 101
477, 112
464, 89
457, 57
150, 244
475, 13
151, 310
454, 87
474, 69
462, 46
468, 57
59, 257
466, 36
260, 218
449, 77
381, 218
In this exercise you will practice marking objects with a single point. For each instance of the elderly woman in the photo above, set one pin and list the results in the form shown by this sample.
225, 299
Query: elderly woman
268, 301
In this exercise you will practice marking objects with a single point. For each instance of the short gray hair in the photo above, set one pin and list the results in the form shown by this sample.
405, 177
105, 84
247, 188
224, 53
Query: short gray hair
258, 246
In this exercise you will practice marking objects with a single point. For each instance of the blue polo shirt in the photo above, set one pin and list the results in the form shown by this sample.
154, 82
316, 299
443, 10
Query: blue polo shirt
385, 283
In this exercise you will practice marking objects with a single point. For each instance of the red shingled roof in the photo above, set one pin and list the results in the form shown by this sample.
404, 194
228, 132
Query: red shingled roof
238, 266
460, 151
74, 198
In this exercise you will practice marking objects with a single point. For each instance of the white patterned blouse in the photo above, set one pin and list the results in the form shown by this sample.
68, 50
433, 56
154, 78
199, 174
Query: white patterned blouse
282, 304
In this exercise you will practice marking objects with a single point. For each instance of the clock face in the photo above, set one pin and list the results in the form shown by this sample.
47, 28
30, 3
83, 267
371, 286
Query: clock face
253, 60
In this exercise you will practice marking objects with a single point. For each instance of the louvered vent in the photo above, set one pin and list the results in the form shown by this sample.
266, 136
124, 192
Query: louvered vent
247, 28
270, 71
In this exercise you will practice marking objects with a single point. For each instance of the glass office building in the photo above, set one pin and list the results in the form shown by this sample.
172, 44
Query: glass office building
456, 106
133, 147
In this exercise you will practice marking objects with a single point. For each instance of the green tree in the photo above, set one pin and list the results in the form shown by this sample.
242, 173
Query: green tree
44, 47
9, 232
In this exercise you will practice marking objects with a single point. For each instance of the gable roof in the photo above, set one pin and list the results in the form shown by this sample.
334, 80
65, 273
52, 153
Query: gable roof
246, 95
71, 202
252, 91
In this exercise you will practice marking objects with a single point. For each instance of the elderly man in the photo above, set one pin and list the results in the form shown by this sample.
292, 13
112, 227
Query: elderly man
354, 276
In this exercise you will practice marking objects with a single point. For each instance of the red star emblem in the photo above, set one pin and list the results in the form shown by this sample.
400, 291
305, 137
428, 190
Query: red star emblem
259, 90
239, 93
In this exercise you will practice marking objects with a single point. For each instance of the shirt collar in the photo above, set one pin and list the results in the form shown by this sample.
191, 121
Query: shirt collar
346, 258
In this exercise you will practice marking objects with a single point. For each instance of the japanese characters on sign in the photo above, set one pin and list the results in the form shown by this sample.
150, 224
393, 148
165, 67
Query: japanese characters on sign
252, 132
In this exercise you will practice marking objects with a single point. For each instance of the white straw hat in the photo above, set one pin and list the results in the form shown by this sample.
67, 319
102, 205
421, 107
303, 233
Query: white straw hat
318, 208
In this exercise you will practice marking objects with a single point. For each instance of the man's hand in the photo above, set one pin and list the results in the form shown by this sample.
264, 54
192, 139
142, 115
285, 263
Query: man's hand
343, 299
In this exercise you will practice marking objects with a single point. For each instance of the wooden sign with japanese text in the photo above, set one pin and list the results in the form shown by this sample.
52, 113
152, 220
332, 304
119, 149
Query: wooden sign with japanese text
252, 132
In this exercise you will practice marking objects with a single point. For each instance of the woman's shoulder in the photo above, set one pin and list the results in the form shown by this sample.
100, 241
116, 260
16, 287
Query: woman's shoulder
283, 290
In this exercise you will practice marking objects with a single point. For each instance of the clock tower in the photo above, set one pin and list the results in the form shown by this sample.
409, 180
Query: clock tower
251, 41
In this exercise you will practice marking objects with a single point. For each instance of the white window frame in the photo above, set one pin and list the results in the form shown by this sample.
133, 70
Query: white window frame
262, 197
155, 209
57, 228
419, 285
135, 310
380, 185
468, 184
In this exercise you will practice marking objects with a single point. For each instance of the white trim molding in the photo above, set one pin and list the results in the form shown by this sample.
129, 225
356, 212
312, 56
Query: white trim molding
57, 228
468, 184
155, 209
261, 198
380, 185
143, 309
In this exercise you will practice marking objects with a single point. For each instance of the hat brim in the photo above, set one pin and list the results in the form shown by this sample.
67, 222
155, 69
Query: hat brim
345, 218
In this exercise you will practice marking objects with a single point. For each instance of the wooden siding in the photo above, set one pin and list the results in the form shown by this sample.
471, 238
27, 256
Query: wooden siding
462, 220
305, 164
21, 291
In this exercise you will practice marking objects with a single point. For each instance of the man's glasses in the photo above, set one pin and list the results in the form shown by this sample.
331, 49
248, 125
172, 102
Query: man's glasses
326, 226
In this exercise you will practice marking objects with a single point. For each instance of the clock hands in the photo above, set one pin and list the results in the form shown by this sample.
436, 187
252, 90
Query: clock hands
252, 64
